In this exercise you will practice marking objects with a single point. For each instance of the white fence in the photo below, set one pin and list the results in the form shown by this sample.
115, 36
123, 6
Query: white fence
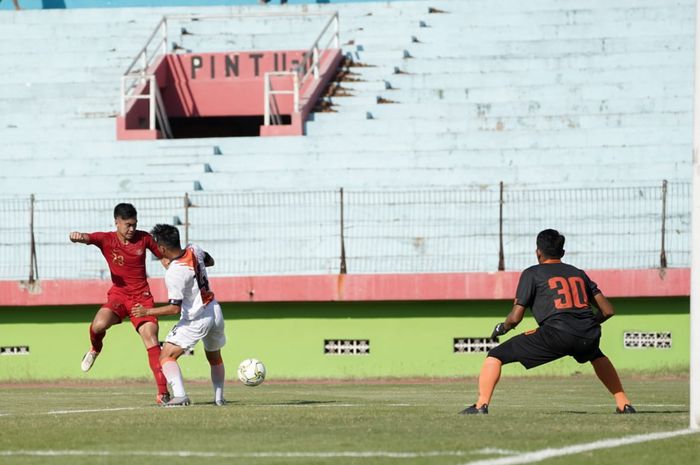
319, 232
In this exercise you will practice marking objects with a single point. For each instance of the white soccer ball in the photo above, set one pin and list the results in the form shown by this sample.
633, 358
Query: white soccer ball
251, 372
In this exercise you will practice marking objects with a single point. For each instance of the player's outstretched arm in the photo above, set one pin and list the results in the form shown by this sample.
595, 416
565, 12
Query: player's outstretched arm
605, 308
512, 320
139, 310
75, 236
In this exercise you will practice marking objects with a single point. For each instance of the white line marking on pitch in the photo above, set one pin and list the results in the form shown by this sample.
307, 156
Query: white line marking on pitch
68, 412
92, 410
539, 455
349, 454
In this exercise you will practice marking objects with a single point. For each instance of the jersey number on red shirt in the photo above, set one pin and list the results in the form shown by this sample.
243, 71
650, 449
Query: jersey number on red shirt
571, 292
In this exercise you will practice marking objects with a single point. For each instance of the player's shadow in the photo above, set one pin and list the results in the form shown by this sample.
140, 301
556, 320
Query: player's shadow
306, 402
228, 403
642, 412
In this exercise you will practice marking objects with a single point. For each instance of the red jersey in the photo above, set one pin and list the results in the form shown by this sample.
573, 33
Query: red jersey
127, 262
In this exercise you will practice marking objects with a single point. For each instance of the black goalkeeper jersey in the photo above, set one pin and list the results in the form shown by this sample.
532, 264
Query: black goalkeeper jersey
560, 296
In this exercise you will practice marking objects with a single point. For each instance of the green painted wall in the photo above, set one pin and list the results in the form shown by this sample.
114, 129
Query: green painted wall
406, 339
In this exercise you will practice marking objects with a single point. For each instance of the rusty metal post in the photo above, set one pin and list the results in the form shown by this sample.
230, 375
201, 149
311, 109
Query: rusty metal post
501, 255
664, 192
187, 218
33, 265
343, 264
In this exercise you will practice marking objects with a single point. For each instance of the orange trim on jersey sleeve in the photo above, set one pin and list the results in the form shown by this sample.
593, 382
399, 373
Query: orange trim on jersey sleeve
187, 259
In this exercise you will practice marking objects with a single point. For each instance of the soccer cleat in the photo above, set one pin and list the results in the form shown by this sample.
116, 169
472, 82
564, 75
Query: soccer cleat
473, 410
88, 360
162, 399
626, 409
178, 402
220, 402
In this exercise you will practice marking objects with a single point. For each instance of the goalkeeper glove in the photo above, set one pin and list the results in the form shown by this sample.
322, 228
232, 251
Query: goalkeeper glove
499, 330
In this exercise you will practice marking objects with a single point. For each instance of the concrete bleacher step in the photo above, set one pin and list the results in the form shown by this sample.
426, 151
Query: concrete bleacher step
505, 123
464, 63
486, 131
72, 167
438, 41
525, 77
428, 159
449, 177
101, 184
526, 93
545, 108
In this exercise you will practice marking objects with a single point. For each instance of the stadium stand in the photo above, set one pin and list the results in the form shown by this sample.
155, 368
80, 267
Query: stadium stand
434, 95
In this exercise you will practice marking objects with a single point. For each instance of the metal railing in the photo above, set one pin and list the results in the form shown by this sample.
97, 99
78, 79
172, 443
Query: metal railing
272, 112
338, 231
301, 73
140, 75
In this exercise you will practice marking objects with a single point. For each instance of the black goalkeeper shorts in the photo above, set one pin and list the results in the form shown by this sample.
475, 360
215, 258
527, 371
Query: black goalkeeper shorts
545, 344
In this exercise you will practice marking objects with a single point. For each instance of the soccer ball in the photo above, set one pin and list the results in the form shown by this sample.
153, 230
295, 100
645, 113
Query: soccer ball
251, 372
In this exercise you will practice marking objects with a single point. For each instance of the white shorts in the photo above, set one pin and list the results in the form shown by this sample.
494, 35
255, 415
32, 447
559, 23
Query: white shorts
207, 327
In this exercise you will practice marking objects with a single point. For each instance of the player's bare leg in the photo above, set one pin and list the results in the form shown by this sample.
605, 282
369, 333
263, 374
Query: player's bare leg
488, 378
171, 370
103, 320
149, 335
607, 374
218, 374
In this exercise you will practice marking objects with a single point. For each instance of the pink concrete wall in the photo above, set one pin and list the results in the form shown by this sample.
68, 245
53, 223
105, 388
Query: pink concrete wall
360, 288
224, 84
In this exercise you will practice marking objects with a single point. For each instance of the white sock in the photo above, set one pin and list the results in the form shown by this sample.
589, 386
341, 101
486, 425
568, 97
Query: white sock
172, 373
218, 374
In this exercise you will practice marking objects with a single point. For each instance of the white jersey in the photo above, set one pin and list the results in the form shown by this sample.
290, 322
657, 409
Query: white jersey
187, 283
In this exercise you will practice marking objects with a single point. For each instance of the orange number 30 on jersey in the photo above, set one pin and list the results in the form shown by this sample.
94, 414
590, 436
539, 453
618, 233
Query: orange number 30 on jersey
571, 292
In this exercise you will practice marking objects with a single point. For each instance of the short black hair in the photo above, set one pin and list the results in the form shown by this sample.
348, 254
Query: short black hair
166, 235
551, 243
125, 211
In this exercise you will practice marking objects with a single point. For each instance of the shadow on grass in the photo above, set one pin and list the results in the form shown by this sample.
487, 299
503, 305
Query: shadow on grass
643, 412
306, 402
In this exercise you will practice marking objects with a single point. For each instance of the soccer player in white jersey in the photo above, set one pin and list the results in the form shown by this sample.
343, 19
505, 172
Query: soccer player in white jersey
200, 314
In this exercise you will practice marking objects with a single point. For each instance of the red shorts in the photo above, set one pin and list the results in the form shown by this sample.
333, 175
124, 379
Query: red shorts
120, 304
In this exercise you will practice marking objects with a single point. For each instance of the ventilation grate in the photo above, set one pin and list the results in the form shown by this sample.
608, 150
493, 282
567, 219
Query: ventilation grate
641, 340
14, 350
473, 345
346, 346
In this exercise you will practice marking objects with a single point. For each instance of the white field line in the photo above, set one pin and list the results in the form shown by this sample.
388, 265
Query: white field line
116, 409
184, 453
69, 412
92, 410
539, 455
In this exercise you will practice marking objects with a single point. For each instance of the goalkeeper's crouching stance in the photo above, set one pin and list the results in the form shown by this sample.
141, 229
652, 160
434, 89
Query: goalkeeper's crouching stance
560, 297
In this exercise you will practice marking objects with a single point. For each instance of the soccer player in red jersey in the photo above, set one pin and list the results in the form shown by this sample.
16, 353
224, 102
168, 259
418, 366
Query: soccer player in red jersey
125, 252
561, 297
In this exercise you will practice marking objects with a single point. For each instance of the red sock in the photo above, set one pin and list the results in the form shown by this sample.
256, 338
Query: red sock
154, 363
96, 340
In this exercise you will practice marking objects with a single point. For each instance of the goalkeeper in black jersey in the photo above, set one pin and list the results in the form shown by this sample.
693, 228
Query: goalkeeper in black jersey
560, 297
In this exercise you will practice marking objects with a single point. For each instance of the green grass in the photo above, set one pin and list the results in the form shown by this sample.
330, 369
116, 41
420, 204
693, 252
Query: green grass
527, 414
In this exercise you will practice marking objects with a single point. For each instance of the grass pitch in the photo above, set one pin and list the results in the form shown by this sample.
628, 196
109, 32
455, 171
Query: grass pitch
348, 423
